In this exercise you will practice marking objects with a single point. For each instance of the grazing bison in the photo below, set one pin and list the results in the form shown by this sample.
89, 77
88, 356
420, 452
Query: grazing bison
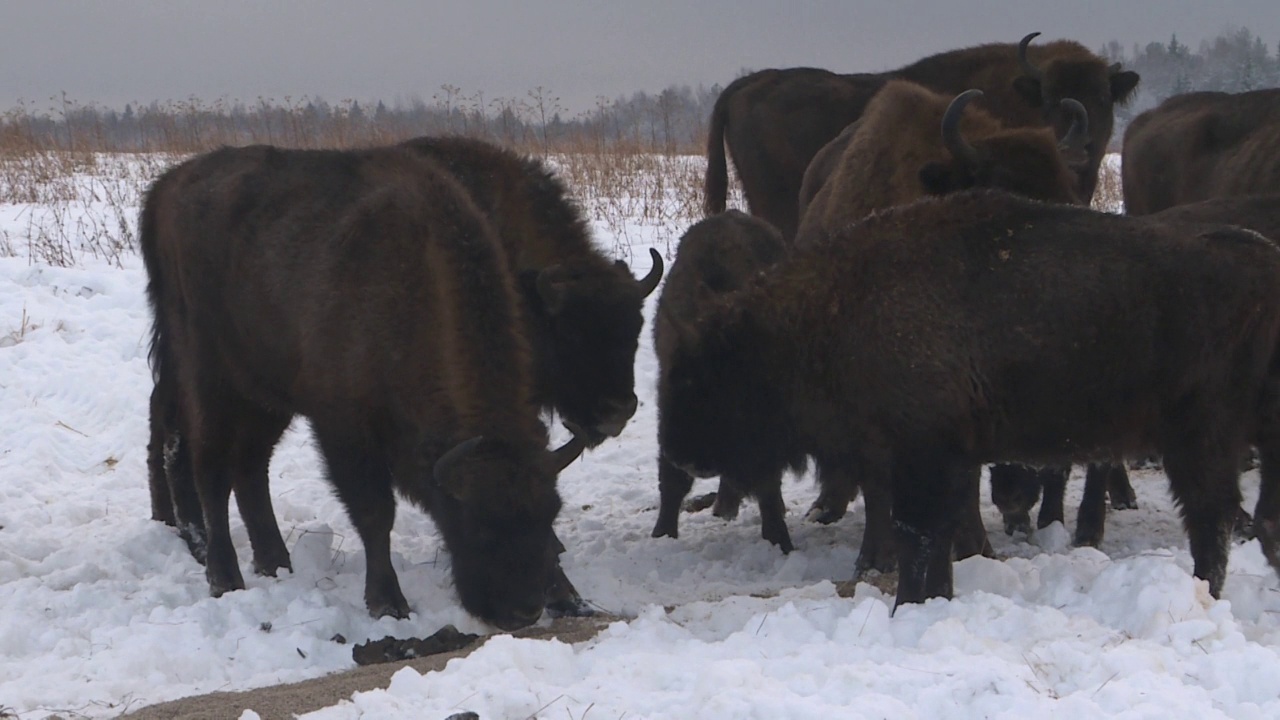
775, 121
364, 291
977, 327
1016, 492
1202, 145
717, 255
912, 142
582, 313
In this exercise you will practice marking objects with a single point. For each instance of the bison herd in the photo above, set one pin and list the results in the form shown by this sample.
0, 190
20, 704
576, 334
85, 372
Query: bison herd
920, 290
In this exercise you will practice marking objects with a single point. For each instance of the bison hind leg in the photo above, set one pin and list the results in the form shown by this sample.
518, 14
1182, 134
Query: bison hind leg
673, 485
1205, 485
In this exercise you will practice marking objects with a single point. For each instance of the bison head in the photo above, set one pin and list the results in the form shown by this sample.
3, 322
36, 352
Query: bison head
1096, 86
1023, 161
494, 504
718, 410
589, 322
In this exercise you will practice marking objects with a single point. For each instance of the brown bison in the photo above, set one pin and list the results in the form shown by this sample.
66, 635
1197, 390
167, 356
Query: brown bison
911, 142
365, 291
1016, 492
978, 327
1202, 145
717, 255
775, 121
582, 313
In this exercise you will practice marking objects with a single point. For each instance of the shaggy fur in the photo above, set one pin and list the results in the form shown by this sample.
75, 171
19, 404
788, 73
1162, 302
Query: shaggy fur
1202, 145
981, 327
775, 121
366, 292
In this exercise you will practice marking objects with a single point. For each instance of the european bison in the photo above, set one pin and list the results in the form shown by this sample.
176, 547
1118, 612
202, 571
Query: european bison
775, 121
911, 142
1202, 145
1016, 492
581, 311
931, 338
717, 255
365, 291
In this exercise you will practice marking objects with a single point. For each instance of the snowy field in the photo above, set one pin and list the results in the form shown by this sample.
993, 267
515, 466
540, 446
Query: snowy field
103, 611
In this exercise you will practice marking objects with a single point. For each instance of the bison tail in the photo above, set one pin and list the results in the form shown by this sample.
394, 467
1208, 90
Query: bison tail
148, 245
715, 185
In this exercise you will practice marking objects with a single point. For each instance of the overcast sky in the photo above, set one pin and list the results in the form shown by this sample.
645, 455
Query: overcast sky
116, 51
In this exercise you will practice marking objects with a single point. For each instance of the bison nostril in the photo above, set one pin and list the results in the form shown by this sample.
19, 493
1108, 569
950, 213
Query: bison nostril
624, 408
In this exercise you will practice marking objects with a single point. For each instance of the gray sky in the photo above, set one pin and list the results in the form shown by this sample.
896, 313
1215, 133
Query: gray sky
112, 52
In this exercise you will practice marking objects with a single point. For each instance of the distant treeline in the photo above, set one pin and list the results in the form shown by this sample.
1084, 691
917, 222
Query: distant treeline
672, 121
1235, 61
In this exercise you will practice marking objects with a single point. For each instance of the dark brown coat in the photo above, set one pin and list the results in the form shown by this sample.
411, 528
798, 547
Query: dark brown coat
775, 121
981, 327
718, 255
365, 291
1202, 145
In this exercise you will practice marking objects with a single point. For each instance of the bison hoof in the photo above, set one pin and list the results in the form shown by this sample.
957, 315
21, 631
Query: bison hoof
1243, 528
824, 515
1087, 539
699, 503
265, 568
664, 530
1017, 523
399, 611
1124, 503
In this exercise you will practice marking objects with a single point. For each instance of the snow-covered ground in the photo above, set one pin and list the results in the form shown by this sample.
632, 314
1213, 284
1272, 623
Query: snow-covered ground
103, 610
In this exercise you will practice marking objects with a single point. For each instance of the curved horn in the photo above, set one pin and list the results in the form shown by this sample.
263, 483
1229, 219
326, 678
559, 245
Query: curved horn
447, 461
951, 137
1027, 68
564, 455
1078, 134
650, 282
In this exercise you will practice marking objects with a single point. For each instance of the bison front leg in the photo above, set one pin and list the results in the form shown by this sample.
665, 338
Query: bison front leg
928, 488
1119, 490
773, 511
879, 547
563, 599
838, 490
364, 484
673, 485
1091, 519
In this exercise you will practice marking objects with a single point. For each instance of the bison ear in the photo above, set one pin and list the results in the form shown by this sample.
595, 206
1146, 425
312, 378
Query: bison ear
551, 289
445, 471
1028, 88
1122, 85
937, 179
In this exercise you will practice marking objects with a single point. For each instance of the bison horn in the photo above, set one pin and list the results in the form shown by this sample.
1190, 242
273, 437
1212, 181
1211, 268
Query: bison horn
1078, 134
951, 137
1028, 69
564, 455
449, 460
650, 282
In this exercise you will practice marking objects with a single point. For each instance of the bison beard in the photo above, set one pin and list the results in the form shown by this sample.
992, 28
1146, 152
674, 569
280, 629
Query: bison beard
979, 327
364, 291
